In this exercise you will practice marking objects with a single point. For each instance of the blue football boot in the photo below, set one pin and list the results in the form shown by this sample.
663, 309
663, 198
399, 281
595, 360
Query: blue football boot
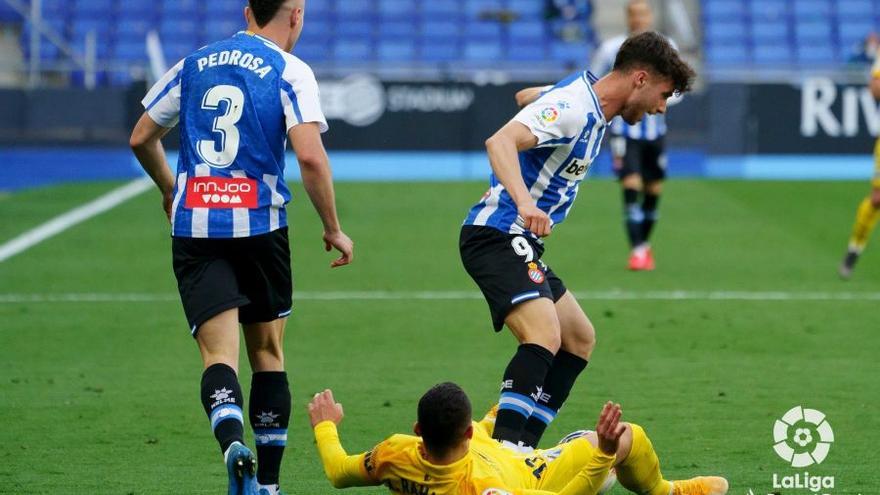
241, 466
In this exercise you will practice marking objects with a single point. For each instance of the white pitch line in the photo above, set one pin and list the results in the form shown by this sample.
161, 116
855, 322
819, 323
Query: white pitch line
77, 215
611, 295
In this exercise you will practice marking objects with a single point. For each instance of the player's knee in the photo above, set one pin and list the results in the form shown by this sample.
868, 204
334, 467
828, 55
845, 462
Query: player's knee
654, 187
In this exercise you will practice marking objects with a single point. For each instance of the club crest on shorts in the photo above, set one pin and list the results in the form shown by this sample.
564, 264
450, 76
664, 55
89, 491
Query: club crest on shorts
535, 273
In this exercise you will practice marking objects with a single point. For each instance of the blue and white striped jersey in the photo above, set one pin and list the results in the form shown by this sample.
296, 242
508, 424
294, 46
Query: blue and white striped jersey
569, 125
651, 127
235, 100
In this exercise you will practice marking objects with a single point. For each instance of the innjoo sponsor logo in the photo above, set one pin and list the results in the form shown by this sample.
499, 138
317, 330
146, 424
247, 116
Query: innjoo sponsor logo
221, 192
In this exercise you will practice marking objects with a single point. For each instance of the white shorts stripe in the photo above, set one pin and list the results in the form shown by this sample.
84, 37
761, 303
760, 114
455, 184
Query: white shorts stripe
241, 217
200, 215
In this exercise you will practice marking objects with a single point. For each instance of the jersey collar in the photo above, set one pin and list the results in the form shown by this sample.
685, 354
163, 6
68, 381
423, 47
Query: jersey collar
591, 79
261, 38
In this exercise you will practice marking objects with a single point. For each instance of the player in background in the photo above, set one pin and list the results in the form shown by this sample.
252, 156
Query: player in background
238, 101
638, 150
452, 455
538, 160
869, 210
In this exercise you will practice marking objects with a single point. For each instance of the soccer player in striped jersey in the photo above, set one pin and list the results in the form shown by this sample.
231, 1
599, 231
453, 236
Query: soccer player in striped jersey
452, 455
238, 102
538, 160
869, 209
638, 149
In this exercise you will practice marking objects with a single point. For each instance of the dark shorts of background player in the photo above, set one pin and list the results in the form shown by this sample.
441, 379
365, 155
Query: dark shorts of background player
505, 277
248, 273
646, 158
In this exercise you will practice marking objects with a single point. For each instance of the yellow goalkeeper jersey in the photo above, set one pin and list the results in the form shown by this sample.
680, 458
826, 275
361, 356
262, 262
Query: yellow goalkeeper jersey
487, 469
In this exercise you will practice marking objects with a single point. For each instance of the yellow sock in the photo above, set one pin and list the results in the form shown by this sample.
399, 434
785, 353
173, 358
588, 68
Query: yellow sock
866, 219
640, 471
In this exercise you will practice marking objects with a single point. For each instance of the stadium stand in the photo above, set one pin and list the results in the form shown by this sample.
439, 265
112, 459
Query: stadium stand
786, 33
339, 32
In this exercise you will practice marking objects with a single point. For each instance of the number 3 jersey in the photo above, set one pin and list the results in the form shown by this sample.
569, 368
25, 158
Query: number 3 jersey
568, 122
235, 100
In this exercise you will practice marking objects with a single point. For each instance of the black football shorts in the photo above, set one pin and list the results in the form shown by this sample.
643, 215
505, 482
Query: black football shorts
248, 273
646, 158
507, 268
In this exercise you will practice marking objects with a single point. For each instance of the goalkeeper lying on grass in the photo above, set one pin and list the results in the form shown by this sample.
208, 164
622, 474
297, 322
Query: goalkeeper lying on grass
451, 455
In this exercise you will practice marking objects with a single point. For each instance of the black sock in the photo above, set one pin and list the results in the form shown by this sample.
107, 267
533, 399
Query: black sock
649, 209
634, 217
221, 396
560, 379
270, 415
521, 387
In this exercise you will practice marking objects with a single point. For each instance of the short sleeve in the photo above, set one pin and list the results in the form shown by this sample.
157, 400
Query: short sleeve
300, 96
553, 121
162, 102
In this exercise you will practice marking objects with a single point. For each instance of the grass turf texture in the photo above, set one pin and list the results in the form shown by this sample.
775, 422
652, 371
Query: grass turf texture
103, 397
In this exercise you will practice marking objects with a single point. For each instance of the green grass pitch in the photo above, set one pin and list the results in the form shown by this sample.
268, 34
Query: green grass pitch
102, 397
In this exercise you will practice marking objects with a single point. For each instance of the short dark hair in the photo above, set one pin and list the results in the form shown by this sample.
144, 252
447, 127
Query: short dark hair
444, 416
653, 52
265, 10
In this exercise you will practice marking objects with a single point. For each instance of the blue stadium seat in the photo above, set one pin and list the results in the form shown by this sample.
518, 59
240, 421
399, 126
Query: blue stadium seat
177, 51
812, 9
770, 32
234, 10
772, 54
816, 55
131, 51
724, 9
440, 52
572, 53
441, 29
81, 26
102, 44
529, 51
526, 31
95, 7
353, 49
179, 31
397, 30
356, 8
473, 9
769, 10
527, 9
397, 51
397, 8
482, 50
856, 9
218, 29
133, 29
441, 9
813, 31
716, 32
312, 52
354, 28
734, 54
180, 9
8, 14
854, 31
482, 30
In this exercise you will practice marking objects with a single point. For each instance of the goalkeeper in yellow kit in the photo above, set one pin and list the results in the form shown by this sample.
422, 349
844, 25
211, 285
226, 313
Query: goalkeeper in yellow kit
451, 455
869, 209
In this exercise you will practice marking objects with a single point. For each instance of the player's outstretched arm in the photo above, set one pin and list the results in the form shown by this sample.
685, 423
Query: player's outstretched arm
529, 95
318, 182
609, 429
342, 470
146, 143
503, 148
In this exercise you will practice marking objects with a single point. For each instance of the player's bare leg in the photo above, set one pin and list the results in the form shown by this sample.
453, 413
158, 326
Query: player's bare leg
218, 341
535, 325
866, 219
270, 406
577, 338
